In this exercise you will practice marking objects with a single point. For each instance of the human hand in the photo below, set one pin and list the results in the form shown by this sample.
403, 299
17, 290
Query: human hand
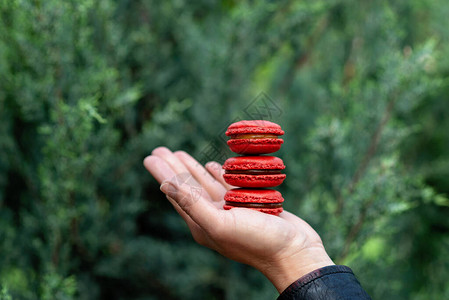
283, 247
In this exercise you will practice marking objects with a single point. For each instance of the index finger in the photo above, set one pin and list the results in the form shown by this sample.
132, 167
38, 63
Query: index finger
214, 188
192, 201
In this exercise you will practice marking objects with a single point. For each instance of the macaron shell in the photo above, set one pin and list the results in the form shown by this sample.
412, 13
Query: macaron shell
254, 163
246, 197
254, 126
271, 211
254, 181
255, 146
243, 195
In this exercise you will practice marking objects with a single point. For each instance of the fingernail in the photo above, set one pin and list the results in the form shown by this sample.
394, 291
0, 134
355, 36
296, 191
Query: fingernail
212, 165
169, 189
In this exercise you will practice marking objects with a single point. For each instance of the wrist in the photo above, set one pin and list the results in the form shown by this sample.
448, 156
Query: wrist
286, 270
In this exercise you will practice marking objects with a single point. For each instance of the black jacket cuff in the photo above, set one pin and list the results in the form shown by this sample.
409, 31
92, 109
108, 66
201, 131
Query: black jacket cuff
332, 282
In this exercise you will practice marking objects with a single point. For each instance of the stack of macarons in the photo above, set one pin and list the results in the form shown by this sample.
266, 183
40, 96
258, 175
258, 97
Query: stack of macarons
254, 172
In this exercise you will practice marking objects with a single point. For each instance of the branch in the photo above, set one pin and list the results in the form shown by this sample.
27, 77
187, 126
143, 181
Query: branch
355, 229
349, 70
301, 58
75, 238
55, 252
369, 154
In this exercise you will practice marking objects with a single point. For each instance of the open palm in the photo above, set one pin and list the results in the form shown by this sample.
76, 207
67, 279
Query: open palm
282, 247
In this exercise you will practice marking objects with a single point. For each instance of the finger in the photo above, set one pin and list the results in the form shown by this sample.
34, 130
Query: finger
217, 172
192, 225
160, 170
181, 171
214, 188
197, 232
174, 162
192, 201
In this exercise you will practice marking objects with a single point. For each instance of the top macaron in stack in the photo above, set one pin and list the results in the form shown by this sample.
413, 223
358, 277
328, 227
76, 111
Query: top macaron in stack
254, 172
254, 137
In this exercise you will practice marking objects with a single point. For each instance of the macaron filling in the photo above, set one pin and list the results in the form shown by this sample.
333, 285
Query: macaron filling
253, 172
254, 136
254, 205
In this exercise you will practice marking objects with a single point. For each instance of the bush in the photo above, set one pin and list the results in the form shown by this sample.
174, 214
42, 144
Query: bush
88, 88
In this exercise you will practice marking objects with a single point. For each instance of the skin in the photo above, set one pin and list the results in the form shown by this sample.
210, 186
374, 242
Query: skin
283, 248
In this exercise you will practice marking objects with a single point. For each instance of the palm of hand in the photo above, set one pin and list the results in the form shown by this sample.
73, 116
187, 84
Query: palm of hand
269, 243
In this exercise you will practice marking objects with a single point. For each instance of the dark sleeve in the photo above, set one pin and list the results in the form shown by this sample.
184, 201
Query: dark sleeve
330, 283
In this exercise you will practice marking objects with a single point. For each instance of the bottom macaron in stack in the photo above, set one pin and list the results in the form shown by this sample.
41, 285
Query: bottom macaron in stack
264, 200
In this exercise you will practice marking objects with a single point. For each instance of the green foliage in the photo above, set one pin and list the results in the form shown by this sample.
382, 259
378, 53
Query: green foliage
88, 88
4, 294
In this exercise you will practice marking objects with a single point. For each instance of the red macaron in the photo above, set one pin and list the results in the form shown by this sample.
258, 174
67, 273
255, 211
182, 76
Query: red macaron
254, 137
263, 200
254, 171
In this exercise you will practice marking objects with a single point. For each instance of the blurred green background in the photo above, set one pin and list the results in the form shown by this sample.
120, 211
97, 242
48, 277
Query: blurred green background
88, 88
